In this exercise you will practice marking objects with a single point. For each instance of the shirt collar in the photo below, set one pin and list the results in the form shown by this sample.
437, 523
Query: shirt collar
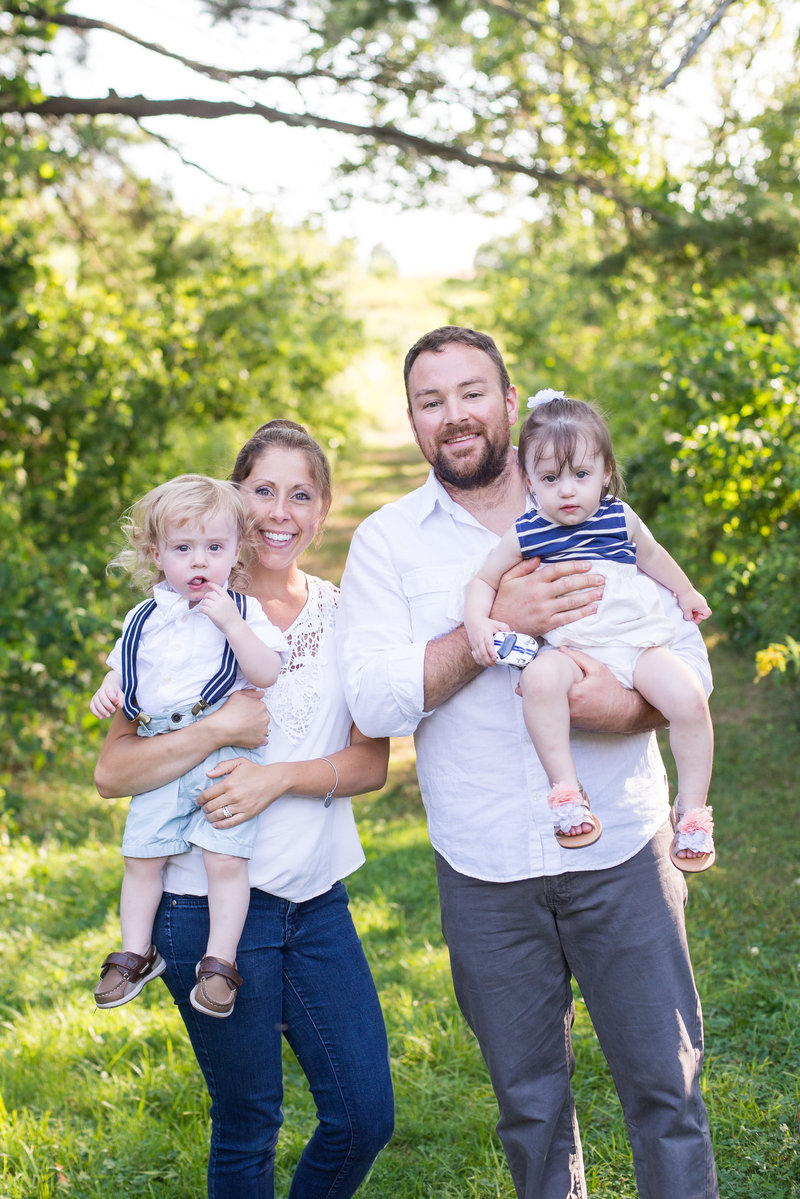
169, 600
432, 495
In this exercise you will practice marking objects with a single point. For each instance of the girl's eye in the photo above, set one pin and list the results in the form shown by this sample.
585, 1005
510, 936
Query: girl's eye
549, 479
582, 474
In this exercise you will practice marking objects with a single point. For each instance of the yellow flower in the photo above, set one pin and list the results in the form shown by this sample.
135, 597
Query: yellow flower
774, 657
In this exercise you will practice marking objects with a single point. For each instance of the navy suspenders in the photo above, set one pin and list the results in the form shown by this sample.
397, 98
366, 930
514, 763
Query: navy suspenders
214, 689
130, 644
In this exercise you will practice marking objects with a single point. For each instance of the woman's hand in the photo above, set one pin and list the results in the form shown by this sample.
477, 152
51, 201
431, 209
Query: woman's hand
242, 720
129, 764
245, 788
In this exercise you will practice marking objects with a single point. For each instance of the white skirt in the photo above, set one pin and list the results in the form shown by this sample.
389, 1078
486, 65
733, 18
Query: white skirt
629, 619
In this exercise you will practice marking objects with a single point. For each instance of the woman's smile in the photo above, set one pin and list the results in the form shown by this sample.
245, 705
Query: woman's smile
285, 502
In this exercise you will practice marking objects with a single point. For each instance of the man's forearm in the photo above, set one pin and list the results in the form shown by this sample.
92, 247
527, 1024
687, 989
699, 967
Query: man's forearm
449, 664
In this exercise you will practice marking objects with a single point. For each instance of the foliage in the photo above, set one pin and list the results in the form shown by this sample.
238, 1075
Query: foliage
691, 346
658, 149
125, 327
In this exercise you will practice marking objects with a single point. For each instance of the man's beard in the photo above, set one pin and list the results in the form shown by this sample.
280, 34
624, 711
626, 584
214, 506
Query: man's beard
490, 467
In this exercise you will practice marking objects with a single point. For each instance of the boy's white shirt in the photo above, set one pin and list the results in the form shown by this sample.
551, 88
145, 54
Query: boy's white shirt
181, 649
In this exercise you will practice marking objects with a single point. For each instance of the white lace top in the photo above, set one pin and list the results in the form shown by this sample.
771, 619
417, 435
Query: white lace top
302, 847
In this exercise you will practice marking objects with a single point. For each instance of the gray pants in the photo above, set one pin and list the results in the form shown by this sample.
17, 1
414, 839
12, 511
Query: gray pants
620, 932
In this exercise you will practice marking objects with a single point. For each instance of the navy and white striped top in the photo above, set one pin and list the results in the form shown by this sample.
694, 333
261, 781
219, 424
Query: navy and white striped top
603, 535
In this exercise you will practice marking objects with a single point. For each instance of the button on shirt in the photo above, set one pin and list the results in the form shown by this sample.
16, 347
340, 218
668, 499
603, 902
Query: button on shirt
483, 787
181, 649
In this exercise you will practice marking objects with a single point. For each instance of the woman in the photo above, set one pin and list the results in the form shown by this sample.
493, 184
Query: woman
305, 971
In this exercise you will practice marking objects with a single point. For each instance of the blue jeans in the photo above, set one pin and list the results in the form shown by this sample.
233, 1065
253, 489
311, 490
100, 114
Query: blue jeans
513, 950
306, 978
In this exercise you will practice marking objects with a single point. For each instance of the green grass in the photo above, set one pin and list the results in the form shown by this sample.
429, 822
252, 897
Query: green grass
100, 1104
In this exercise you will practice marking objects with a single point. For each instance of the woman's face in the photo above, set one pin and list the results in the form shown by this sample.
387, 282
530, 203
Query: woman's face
288, 505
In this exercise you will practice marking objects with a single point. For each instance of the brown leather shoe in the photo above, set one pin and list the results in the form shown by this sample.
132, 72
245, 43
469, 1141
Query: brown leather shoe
199, 997
123, 975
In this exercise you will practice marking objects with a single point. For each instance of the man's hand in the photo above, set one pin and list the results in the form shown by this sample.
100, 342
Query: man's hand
600, 704
535, 601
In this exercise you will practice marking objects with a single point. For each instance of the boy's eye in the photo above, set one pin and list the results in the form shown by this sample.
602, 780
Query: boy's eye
215, 546
182, 549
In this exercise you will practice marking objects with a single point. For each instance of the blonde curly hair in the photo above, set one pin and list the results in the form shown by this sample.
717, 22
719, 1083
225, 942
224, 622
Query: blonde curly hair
185, 499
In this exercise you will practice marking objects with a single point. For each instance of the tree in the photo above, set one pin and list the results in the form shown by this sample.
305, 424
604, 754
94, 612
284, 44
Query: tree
557, 97
124, 325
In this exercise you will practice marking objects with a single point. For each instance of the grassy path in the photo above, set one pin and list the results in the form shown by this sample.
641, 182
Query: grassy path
95, 1105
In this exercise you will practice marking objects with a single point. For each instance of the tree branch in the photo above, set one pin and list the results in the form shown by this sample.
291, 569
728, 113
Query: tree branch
222, 74
701, 36
139, 108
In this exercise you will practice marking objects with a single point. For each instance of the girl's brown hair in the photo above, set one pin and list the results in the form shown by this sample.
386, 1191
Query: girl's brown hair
560, 425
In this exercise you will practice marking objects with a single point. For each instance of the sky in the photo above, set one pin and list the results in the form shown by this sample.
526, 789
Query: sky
286, 170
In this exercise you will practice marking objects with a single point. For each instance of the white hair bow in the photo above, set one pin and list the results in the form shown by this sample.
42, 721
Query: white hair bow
544, 397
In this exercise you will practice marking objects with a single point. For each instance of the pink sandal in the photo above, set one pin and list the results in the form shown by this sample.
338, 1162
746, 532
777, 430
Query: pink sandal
571, 807
694, 830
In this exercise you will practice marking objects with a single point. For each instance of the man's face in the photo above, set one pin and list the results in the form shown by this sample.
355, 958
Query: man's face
460, 417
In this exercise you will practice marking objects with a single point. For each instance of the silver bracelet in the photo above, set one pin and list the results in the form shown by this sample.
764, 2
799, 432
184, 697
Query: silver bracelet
328, 798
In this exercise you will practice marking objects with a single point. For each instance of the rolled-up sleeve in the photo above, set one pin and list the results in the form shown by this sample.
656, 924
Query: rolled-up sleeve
382, 666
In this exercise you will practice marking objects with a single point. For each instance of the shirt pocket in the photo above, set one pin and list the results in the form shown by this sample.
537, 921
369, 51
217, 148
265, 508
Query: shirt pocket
428, 590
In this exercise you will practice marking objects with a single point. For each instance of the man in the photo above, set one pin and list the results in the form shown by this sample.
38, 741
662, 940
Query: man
520, 914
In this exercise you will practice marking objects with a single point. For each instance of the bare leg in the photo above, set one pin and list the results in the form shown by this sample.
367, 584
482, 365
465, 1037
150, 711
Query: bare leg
139, 900
228, 903
672, 687
545, 685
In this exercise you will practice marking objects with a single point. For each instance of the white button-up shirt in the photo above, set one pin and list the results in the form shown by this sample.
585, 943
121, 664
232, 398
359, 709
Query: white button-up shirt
483, 787
181, 650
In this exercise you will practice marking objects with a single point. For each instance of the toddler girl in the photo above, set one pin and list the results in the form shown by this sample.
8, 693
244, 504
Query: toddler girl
566, 453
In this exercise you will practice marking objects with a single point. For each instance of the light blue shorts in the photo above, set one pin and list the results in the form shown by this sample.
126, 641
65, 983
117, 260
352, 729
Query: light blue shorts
167, 820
